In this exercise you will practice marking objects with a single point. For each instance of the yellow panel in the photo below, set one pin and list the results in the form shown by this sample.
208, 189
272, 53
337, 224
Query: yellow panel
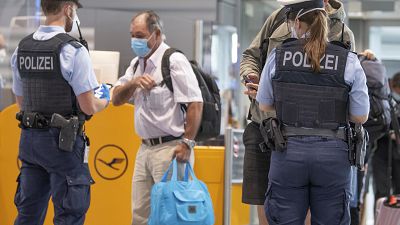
209, 167
112, 136
240, 213
9, 138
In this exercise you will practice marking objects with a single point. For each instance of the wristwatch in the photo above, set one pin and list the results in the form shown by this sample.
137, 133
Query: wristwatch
189, 143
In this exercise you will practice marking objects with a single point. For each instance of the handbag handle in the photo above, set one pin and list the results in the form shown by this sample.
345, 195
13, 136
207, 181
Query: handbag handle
189, 170
165, 176
174, 167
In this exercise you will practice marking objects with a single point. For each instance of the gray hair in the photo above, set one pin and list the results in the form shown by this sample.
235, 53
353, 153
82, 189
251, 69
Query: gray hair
153, 21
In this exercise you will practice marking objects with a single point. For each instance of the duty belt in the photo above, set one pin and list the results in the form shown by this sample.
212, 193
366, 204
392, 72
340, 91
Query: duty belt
69, 128
341, 133
37, 120
32, 120
159, 140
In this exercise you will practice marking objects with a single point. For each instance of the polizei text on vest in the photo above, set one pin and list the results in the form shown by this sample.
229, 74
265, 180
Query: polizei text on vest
36, 63
300, 59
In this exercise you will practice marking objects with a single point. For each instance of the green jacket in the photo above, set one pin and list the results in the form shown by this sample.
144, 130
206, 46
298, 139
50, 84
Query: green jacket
251, 56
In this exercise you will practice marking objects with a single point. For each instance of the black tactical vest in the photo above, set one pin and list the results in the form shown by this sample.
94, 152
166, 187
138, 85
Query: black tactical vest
44, 88
307, 99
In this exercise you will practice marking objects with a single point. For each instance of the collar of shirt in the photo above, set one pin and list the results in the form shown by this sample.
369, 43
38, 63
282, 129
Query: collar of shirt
154, 59
47, 32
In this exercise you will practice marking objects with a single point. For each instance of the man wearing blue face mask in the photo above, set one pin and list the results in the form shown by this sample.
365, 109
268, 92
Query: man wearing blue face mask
55, 87
166, 130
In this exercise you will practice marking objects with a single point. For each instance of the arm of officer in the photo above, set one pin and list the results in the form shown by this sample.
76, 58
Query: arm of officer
19, 100
17, 81
358, 96
77, 70
265, 95
90, 104
250, 63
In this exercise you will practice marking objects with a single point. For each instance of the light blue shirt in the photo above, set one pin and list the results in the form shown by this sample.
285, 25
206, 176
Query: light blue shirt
354, 76
76, 66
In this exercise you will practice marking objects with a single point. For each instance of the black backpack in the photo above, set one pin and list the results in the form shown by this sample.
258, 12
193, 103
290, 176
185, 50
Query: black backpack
379, 118
210, 125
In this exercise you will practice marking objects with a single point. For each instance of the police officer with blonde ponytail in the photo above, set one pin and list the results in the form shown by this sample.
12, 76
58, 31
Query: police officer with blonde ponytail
316, 89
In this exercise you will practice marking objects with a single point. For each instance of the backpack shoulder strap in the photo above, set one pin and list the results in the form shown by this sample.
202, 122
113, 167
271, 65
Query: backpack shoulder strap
278, 20
165, 68
135, 66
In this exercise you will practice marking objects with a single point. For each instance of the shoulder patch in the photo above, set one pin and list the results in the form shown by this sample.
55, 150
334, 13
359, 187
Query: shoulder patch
76, 44
66, 38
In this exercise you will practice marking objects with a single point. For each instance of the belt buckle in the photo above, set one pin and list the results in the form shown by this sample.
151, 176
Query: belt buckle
153, 141
146, 142
160, 140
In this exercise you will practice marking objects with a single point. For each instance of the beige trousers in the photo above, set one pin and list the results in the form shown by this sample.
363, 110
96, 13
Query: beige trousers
150, 165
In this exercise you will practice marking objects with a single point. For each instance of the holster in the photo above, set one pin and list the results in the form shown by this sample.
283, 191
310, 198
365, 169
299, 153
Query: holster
68, 131
357, 140
361, 145
351, 144
271, 131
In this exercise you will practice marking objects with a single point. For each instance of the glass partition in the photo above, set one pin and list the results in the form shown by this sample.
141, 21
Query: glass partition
385, 42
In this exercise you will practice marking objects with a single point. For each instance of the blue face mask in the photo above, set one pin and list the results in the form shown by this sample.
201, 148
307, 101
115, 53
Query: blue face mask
140, 47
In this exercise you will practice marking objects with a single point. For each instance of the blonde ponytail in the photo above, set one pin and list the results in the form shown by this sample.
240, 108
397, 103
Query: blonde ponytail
316, 40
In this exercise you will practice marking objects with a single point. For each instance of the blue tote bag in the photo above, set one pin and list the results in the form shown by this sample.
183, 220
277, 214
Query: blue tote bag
175, 202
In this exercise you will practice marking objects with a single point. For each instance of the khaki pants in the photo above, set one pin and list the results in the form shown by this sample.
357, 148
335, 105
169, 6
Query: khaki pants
151, 164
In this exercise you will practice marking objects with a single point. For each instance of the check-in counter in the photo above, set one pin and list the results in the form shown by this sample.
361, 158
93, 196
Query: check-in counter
112, 156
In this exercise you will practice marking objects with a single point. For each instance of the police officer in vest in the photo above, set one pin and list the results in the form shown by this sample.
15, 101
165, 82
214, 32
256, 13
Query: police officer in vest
55, 88
316, 88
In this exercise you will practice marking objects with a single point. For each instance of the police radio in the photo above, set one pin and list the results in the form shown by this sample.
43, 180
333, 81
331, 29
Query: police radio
81, 40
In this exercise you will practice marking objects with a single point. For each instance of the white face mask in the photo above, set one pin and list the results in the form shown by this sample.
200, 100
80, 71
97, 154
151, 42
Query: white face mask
293, 32
3, 55
74, 29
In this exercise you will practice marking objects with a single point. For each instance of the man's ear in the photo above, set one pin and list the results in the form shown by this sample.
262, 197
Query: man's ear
66, 9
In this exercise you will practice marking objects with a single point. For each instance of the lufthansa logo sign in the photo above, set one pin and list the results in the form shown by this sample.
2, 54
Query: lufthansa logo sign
111, 162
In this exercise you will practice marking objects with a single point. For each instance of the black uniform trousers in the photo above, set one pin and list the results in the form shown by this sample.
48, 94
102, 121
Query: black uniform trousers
49, 172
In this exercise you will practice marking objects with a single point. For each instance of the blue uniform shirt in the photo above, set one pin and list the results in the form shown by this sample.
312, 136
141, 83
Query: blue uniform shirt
76, 66
354, 76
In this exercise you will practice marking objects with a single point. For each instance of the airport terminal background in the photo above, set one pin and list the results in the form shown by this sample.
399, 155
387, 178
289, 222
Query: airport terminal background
213, 32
